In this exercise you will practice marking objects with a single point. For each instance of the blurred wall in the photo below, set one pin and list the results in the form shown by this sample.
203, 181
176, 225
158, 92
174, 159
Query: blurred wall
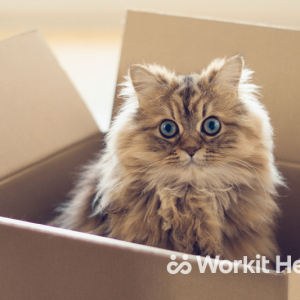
85, 35
83, 16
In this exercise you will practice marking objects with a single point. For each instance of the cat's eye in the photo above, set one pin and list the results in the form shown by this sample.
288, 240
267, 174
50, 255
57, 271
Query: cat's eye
211, 126
168, 128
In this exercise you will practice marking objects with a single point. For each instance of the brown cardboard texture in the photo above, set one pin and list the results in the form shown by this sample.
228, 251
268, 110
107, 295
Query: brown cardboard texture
47, 133
46, 130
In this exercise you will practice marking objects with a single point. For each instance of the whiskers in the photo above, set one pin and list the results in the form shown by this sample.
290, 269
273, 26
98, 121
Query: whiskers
256, 176
238, 173
144, 174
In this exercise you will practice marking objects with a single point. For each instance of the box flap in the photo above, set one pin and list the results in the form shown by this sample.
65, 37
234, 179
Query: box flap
189, 44
40, 262
293, 284
40, 111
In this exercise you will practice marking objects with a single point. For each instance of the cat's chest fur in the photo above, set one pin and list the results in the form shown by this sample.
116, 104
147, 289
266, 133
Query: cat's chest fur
187, 220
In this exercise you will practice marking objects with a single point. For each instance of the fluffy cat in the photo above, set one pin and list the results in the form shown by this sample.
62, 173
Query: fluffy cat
188, 166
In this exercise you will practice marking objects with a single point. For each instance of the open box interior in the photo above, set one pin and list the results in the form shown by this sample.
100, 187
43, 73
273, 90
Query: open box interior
188, 45
47, 134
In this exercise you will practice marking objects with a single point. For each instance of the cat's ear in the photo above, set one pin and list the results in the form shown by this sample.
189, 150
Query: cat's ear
146, 83
228, 78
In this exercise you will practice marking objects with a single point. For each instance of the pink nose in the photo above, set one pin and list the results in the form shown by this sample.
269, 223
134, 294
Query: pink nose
191, 150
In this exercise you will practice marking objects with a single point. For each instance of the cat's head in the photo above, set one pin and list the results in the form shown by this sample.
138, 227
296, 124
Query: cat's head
206, 127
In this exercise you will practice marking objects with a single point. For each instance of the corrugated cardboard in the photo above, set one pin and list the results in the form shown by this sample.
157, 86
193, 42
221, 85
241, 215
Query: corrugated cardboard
45, 129
51, 263
57, 134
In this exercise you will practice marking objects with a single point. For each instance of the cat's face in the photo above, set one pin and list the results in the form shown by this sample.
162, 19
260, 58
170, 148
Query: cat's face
196, 124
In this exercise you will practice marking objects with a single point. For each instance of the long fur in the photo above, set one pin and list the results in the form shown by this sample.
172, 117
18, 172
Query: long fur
146, 189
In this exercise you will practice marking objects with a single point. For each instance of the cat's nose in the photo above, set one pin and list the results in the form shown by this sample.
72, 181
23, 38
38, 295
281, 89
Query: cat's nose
191, 150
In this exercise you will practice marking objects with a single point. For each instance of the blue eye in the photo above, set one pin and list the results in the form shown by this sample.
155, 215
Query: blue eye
211, 126
168, 128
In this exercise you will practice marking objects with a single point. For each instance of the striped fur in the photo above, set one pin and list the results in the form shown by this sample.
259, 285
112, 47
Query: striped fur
146, 189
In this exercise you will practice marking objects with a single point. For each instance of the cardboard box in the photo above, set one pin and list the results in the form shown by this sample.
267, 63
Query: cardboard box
46, 133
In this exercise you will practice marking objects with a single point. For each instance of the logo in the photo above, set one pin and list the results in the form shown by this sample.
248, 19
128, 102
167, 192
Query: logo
184, 267
258, 265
